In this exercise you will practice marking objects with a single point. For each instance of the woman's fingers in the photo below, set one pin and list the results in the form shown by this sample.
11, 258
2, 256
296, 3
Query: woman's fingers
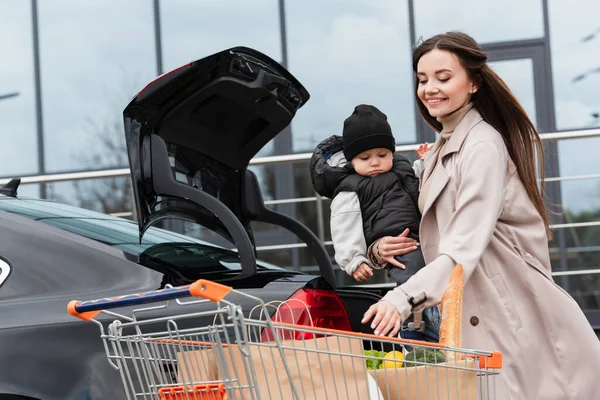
404, 233
397, 246
397, 326
386, 319
394, 262
386, 251
391, 319
380, 329
369, 314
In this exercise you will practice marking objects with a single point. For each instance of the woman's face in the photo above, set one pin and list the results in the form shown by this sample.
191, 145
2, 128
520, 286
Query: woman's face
443, 83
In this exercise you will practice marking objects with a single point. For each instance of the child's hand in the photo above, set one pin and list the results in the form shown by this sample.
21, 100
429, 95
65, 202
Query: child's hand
423, 150
362, 273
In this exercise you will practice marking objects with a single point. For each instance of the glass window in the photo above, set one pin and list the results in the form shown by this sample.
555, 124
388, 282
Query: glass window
29, 190
575, 45
485, 21
579, 157
192, 30
345, 54
518, 75
94, 58
18, 132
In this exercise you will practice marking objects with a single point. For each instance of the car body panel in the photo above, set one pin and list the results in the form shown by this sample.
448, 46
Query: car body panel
50, 267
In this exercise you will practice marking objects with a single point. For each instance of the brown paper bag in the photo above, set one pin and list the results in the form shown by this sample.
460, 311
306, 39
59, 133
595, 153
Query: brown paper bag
315, 372
438, 381
197, 366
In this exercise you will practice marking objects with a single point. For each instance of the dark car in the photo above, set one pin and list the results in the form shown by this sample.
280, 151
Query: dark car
190, 136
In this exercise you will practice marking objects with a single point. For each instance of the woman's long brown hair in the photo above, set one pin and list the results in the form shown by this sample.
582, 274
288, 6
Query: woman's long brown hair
498, 107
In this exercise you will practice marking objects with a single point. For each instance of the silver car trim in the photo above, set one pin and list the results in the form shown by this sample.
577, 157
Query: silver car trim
4, 271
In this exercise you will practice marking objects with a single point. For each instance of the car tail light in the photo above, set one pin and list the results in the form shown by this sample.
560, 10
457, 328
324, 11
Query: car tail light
326, 311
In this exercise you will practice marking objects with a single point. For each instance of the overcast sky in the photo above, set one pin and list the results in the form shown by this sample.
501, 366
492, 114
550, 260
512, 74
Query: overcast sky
96, 54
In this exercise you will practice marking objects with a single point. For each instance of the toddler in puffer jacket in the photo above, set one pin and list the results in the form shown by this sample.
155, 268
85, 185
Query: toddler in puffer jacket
374, 194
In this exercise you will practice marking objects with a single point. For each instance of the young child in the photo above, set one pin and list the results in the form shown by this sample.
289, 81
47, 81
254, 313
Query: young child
374, 193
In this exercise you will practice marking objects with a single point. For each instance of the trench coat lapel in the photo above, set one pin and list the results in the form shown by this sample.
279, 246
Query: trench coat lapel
440, 178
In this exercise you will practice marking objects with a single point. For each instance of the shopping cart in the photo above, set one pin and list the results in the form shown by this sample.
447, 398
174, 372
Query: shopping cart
240, 357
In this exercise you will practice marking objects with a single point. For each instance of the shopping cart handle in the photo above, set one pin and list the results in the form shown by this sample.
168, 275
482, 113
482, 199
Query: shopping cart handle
88, 309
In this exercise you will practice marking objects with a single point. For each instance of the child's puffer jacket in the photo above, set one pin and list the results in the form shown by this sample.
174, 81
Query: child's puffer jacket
325, 178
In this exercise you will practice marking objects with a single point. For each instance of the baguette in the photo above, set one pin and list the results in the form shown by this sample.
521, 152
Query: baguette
451, 311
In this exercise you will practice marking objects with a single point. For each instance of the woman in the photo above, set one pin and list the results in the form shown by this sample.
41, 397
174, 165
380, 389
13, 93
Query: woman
482, 208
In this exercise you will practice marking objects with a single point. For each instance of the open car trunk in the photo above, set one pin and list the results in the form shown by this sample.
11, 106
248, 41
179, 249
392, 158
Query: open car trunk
190, 136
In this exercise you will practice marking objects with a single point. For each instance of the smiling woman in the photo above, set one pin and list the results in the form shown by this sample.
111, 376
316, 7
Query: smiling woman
443, 84
482, 210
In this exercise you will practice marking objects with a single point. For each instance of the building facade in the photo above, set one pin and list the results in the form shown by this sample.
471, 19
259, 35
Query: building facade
68, 68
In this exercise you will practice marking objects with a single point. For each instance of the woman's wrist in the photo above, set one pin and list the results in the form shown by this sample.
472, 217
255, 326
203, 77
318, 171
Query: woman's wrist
374, 256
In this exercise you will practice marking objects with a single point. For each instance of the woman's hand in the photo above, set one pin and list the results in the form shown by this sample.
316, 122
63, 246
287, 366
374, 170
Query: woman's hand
390, 246
387, 318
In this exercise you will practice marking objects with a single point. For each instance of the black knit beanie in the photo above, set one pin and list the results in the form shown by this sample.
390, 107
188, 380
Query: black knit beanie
367, 128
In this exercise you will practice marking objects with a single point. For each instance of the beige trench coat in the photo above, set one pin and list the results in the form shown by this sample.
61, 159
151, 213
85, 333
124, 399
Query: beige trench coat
478, 213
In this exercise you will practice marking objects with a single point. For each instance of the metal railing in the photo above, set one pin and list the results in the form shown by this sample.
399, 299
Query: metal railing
288, 158
302, 157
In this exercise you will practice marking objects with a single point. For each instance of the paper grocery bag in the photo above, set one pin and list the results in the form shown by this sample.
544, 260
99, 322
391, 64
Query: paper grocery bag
441, 381
318, 368
196, 367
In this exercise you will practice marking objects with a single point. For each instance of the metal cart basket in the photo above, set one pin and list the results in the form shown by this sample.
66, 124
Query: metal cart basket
240, 357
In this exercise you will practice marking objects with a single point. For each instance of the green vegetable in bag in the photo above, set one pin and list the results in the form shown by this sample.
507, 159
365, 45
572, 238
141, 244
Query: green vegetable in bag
374, 363
423, 355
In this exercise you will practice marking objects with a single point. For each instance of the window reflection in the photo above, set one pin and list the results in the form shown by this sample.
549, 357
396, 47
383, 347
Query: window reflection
584, 289
194, 29
518, 75
94, 58
18, 129
486, 21
29, 190
346, 54
107, 195
581, 196
575, 44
